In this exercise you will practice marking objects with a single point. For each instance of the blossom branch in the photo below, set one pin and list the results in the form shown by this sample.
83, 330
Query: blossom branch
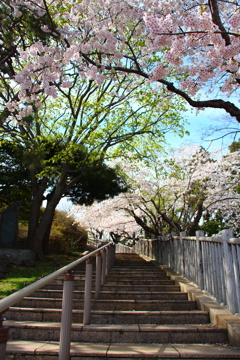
213, 4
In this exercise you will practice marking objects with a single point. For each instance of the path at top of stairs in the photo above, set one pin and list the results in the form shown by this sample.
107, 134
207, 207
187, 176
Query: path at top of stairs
141, 314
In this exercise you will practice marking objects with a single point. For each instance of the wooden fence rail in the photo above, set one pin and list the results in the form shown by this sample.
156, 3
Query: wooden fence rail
212, 263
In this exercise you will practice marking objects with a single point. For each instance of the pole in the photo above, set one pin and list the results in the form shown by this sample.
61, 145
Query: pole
103, 267
98, 275
87, 293
66, 321
3, 338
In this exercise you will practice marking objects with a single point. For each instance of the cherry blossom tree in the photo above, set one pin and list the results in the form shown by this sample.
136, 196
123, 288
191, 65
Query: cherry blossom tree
189, 48
53, 49
66, 121
107, 217
175, 194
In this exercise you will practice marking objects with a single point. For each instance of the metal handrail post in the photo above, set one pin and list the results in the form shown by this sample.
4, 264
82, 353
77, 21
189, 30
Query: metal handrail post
107, 267
113, 247
103, 266
114, 253
87, 293
66, 321
3, 338
98, 275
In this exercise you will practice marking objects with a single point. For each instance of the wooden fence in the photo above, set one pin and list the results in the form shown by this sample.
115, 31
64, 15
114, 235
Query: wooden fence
212, 263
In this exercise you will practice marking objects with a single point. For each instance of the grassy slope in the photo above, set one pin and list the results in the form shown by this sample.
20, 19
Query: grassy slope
21, 275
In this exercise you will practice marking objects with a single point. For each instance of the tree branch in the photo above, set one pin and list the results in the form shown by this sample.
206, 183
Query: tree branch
213, 5
229, 107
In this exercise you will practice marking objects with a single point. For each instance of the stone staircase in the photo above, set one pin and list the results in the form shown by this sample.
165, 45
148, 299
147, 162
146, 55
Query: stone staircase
140, 314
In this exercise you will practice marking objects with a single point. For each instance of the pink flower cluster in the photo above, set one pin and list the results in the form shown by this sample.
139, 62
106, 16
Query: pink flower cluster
170, 37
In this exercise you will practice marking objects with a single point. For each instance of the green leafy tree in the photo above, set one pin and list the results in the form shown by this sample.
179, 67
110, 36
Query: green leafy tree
104, 121
103, 118
97, 184
15, 182
66, 235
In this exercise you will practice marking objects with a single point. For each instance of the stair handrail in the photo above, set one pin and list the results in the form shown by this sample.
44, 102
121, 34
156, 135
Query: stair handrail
108, 253
12, 299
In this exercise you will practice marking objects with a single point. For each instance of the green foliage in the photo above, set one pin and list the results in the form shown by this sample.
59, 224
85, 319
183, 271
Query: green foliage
235, 146
66, 236
97, 184
16, 163
14, 178
20, 276
213, 223
211, 227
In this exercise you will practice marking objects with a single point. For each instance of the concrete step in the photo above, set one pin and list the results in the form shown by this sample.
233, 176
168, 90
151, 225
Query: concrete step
131, 295
119, 288
142, 282
41, 350
138, 295
120, 281
142, 333
147, 305
111, 316
143, 288
138, 274
140, 314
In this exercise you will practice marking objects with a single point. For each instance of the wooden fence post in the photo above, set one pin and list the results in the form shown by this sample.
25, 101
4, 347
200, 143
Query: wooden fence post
231, 294
200, 281
182, 261
236, 267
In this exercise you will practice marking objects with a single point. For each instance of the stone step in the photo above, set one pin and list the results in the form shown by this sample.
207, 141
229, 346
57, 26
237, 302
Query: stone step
142, 333
147, 305
143, 288
131, 295
125, 275
144, 278
142, 282
138, 295
41, 350
118, 281
111, 316
154, 272
119, 288
140, 314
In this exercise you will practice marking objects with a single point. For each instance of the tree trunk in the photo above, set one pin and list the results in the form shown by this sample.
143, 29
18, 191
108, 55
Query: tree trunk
36, 204
46, 220
194, 226
45, 242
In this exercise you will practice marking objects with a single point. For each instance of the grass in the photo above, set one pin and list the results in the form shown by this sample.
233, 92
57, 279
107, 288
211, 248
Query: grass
19, 276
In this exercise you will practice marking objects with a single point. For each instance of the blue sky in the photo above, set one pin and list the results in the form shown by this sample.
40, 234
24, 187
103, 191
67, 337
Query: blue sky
199, 128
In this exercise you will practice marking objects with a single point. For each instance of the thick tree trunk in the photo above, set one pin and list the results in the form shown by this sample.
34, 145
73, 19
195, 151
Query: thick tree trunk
45, 242
46, 220
194, 226
36, 204
172, 224
46, 238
